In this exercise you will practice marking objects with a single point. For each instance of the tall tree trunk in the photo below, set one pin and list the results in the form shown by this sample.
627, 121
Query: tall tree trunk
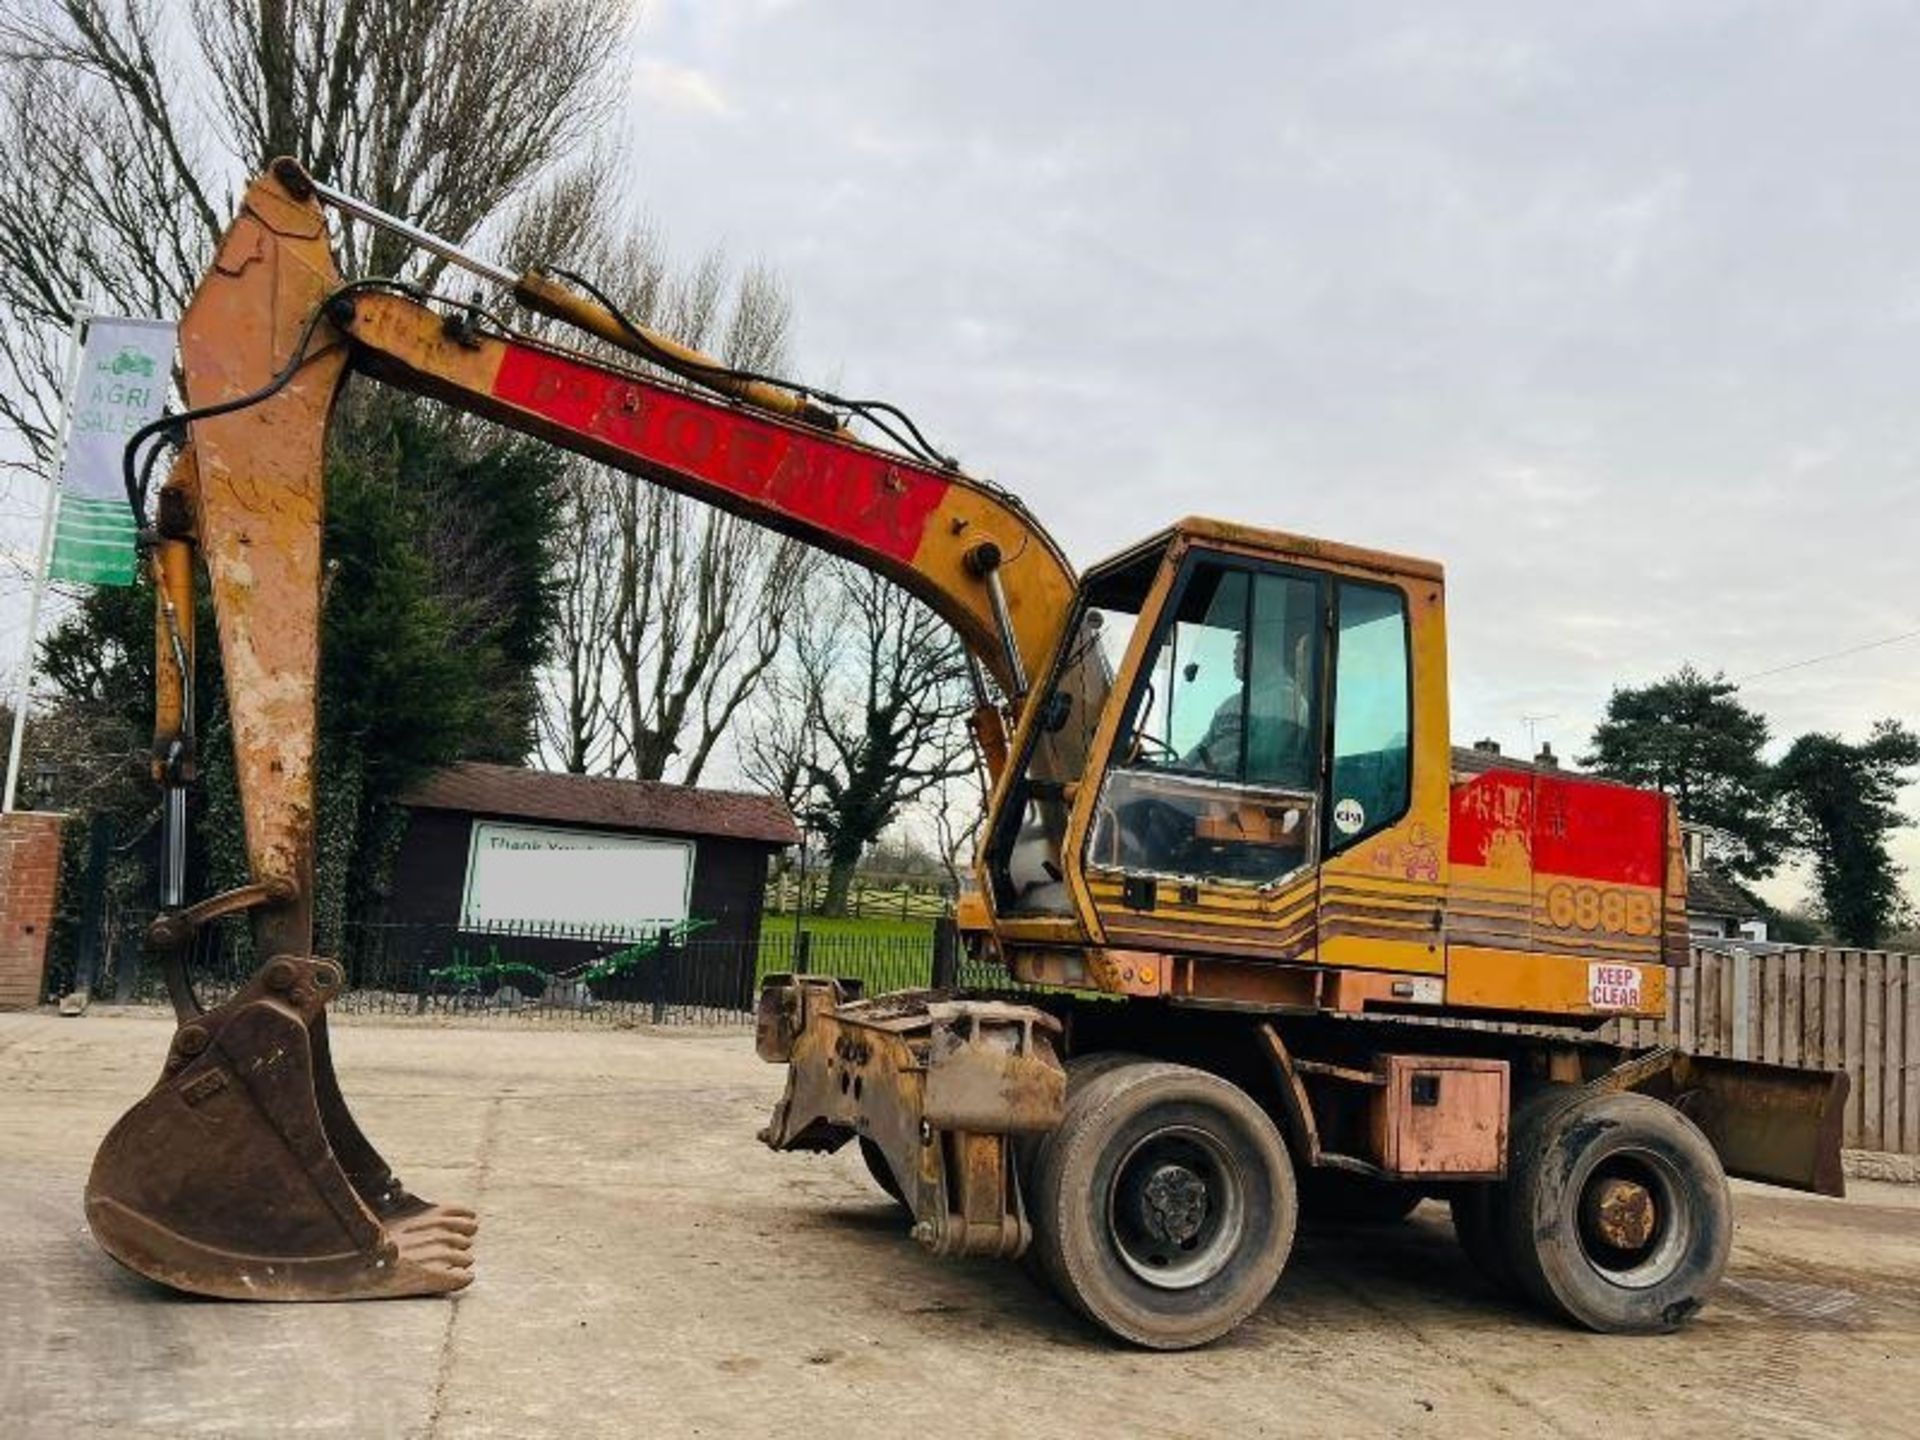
840, 870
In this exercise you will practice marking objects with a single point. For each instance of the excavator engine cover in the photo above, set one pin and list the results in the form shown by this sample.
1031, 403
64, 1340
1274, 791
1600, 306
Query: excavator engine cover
242, 1175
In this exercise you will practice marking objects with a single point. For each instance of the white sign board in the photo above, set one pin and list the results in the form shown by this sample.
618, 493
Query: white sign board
1613, 987
537, 876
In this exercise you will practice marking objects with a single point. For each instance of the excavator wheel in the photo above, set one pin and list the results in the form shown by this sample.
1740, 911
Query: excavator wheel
242, 1175
1620, 1217
1032, 1150
1483, 1214
1030, 1147
1163, 1206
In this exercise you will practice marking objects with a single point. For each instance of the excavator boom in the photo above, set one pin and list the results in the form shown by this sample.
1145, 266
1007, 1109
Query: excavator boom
295, 1202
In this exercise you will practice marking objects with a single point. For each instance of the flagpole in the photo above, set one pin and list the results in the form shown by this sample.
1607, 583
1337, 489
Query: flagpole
20, 695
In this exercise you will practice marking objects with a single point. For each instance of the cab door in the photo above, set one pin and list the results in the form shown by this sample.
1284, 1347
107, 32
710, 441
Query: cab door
1208, 820
1382, 871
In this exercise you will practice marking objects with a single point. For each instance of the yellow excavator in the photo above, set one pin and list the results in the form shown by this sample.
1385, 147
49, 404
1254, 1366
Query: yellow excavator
1243, 891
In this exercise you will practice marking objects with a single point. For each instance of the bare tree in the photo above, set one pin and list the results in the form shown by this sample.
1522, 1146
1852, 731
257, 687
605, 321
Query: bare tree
675, 610
702, 596
957, 808
576, 714
780, 742
126, 130
885, 698
700, 604
123, 139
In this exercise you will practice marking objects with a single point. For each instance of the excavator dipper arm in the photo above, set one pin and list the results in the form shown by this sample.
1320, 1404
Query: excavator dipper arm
242, 1173
249, 489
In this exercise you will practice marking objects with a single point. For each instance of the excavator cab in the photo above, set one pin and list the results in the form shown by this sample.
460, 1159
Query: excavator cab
1235, 710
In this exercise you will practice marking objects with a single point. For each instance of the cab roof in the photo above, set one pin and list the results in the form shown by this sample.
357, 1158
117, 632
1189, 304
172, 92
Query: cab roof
1281, 544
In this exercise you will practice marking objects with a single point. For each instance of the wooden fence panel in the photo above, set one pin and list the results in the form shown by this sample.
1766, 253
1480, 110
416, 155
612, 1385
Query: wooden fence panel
1911, 1085
1895, 1051
1791, 1019
1851, 1010
1854, 1037
1835, 1049
1771, 969
1729, 1005
1812, 1021
1873, 1049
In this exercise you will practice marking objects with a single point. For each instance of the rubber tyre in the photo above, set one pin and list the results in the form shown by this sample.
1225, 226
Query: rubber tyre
1482, 1213
1033, 1149
1340, 1197
1074, 1240
1557, 1268
1030, 1149
882, 1173
1478, 1226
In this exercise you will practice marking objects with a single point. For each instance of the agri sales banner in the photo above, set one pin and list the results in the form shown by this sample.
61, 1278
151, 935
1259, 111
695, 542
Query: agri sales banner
122, 384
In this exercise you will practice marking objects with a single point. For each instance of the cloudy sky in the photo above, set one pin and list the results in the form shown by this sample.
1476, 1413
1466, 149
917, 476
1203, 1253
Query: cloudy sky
1613, 309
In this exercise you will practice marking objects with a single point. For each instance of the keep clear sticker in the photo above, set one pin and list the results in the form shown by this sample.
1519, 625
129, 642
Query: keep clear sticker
1349, 815
1613, 987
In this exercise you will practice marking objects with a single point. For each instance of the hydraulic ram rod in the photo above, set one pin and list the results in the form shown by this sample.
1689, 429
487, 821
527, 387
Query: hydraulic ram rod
557, 302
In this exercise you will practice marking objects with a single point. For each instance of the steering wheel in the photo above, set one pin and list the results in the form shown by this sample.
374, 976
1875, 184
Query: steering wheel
1150, 748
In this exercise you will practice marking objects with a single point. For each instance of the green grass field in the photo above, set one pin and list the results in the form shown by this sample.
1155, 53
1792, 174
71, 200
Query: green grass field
886, 954
873, 927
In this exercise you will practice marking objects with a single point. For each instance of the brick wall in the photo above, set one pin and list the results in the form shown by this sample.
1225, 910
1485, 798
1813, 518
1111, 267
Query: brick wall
29, 878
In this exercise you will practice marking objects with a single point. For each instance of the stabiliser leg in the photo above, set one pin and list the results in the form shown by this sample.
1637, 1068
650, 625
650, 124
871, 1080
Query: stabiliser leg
242, 1175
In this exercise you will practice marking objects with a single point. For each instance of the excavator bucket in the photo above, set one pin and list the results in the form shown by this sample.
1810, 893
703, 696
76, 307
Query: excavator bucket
242, 1175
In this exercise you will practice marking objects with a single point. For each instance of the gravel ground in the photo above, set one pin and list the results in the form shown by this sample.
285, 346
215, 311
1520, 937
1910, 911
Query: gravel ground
647, 1269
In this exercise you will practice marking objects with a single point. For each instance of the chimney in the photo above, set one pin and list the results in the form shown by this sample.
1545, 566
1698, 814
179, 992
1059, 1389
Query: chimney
1693, 846
1487, 747
1546, 759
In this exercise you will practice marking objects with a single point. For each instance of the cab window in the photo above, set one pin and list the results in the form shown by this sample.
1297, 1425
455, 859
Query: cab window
1216, 774
1370, 778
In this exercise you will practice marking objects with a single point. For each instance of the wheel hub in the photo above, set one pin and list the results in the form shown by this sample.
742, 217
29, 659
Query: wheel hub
1177, 1207
1173, 1204
1621, 1213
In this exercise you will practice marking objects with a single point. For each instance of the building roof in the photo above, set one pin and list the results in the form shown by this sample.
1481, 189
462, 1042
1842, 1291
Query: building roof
614, 804
1711, 893
1472, 760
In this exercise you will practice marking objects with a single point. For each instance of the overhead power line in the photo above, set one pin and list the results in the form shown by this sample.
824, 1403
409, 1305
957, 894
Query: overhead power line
1830, 655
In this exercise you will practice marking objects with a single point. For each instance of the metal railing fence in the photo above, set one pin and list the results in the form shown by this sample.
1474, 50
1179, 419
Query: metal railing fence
554, 972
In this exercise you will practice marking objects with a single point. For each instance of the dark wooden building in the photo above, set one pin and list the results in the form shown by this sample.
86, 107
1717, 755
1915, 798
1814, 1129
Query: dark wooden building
502, 849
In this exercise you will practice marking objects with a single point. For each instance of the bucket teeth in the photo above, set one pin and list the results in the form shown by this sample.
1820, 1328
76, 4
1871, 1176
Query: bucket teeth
243, 1175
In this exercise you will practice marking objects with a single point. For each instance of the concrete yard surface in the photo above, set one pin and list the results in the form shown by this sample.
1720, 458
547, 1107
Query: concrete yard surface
646, 1268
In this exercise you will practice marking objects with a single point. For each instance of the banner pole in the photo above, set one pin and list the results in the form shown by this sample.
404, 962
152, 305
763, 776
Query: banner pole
20, 695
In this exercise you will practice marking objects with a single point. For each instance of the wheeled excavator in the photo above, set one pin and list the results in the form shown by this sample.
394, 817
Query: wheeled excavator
1267, 941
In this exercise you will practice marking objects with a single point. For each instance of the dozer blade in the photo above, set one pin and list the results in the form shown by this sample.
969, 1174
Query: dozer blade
242, 1175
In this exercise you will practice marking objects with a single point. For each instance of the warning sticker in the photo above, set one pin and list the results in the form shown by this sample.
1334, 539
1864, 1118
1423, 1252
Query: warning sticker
1613, 987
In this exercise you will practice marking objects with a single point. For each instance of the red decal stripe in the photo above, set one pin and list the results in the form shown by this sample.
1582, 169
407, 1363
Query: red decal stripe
1574, 829
1490, 811
1610, 834
876, 503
